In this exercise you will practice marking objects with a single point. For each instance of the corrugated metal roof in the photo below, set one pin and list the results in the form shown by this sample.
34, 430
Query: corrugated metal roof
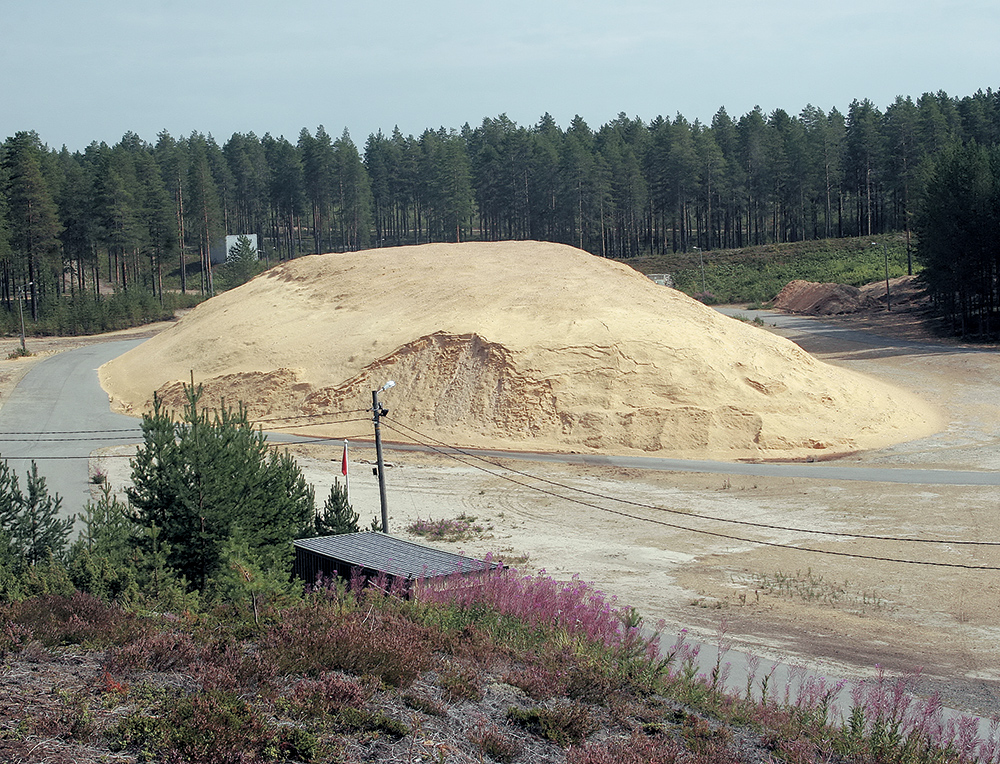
391, 555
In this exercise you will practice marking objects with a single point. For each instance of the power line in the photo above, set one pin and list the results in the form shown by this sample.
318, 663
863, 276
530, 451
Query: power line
676, 526
53, 457
732, 521
68, 432
112, 434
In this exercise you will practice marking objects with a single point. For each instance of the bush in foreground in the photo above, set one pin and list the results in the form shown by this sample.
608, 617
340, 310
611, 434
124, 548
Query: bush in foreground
363, 675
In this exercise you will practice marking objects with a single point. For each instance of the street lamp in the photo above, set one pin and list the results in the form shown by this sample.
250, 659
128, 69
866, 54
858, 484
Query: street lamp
701, 260
379, 411
20, 310
885, 251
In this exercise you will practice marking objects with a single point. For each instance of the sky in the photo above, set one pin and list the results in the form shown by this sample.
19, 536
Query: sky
79, 71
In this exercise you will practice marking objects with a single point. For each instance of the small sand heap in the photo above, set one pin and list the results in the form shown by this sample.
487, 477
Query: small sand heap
514, 345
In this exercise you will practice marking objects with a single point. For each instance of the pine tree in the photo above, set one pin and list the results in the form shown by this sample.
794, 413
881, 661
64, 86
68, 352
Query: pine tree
30, 525
205, 479
33, 218
41, 534
337, 516
957, 229
242, 263
101, 560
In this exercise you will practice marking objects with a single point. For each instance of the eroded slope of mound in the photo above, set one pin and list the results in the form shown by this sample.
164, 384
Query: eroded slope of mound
513, 345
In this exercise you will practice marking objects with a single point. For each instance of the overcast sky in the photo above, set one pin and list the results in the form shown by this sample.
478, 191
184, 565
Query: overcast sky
77, 71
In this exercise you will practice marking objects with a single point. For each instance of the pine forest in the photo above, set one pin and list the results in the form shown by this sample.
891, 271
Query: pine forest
140, 217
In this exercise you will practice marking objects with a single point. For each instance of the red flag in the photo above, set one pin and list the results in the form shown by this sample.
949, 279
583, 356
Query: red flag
343, 463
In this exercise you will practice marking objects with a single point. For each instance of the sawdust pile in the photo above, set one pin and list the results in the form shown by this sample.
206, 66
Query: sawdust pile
518, 345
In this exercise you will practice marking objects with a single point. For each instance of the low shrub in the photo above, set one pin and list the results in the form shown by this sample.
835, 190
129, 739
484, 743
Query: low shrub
424, 704
227, 664
158, 651
78, 619
352, 719
71, 717
13, 637
639, 749
538, 682
315, 639
563, 723
140, 732
222, 728
493, 742
326, 695
540, 603
460, 528
461, 683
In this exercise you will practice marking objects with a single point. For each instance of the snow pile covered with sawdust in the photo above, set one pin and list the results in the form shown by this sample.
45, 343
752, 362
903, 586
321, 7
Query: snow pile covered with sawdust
516, 345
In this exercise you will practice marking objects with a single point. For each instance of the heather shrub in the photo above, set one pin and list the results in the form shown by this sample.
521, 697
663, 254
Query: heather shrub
158, 651
639, 749
424, 704
76, 619
563, 723
350, 719
326, 695
222, 728
469, 643
538, 682
461, 683
228, 664
314, 639
13, 636
493, 742
704, 738
70, 717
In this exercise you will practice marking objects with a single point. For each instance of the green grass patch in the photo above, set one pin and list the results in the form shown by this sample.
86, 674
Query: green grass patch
755, 275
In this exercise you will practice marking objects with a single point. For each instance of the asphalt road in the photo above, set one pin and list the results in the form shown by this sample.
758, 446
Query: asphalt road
58, 415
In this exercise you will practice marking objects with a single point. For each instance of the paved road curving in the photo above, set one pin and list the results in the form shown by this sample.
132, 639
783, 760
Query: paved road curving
58, 415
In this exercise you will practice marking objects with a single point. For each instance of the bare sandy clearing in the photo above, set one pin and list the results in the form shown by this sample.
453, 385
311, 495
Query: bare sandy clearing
518, 345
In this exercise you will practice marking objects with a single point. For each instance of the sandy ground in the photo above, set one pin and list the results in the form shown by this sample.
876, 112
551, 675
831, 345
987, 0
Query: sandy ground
834, 614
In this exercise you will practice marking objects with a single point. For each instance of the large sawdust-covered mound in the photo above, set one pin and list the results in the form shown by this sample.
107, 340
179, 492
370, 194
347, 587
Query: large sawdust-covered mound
518, 345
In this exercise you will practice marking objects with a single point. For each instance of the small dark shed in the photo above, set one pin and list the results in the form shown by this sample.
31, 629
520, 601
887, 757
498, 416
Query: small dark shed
369, 553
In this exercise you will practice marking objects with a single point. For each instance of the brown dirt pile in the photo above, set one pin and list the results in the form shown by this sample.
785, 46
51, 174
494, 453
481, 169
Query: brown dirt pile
814, 299
519, 345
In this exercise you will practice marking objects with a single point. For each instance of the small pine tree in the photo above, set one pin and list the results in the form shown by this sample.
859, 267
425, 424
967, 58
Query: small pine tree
204, 479
241, 583
242, 263
101, 560
41, 533
337, 516
30, 526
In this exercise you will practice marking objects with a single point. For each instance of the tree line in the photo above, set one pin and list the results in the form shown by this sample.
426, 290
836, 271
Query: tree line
143, 216
958, 234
